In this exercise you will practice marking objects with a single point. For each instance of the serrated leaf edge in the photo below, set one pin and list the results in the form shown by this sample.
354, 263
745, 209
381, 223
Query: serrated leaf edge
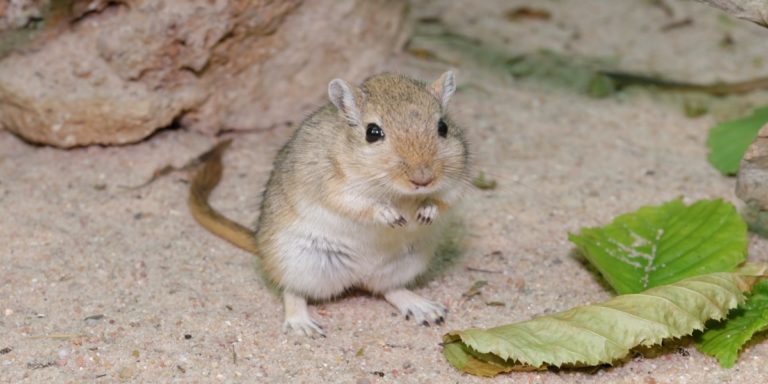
734, 287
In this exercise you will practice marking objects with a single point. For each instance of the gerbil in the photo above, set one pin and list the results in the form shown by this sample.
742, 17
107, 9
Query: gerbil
356, 198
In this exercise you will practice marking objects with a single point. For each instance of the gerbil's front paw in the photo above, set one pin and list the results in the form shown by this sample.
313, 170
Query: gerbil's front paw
389, 216
427, 214
413, 306
303, 325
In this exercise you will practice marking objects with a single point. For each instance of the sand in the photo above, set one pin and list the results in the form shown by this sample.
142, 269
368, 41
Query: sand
101, 283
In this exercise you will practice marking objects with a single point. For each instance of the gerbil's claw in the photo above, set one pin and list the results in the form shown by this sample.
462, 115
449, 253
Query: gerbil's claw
427, 214
297, 318
424, 311
388, 215
303, 327
424, 220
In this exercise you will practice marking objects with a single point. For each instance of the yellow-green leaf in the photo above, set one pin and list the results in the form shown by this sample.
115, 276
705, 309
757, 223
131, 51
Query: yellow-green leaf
599, 333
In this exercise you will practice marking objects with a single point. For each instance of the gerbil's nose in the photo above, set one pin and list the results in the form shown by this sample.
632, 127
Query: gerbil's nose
422, 176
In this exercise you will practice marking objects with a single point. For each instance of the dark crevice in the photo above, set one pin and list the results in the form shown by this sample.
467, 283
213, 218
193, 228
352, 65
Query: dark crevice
82, 10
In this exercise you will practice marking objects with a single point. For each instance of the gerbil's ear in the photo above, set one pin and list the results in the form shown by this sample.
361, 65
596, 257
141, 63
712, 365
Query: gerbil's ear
443, 88
342, 97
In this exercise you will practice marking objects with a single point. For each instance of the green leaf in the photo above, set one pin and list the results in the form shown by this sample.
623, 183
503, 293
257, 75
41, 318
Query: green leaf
463, 358
658, 245
729, 140
599, 333
726, 339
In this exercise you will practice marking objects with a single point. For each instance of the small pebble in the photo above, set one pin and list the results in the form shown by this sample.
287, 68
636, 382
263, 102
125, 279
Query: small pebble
93, 319
125, 373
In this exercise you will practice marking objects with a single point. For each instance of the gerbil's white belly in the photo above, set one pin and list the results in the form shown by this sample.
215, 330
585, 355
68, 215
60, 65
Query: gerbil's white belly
324, 254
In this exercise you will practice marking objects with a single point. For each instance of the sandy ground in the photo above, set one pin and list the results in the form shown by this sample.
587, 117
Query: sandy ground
99, 283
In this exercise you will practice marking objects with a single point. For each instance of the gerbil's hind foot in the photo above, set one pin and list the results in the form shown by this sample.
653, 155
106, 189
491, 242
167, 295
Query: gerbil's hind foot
297, 318
305, 326
411, 305
427, 214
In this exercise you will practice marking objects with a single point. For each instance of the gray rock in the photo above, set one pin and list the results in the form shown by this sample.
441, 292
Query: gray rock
752, 182
121, 70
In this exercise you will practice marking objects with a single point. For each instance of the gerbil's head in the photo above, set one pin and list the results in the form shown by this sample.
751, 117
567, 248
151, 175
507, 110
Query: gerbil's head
398, 134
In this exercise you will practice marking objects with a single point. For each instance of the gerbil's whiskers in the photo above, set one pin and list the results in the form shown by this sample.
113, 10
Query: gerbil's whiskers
368, 186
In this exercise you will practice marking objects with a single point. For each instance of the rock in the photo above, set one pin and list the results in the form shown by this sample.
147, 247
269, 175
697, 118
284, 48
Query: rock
752, 10
120, 70
19, 13
752, 182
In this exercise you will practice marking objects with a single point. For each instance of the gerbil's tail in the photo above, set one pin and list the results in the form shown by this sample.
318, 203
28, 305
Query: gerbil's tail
203, 184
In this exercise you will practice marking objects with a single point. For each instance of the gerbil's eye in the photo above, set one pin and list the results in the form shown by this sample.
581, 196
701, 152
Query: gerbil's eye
442, 128
373, 133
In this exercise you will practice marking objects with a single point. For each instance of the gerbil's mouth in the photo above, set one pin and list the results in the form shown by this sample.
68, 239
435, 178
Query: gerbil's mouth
422, 183
423, 187
410, 188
